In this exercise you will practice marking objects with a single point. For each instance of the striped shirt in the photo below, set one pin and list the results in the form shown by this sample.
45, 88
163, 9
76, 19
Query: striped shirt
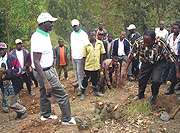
106, 65
159, 50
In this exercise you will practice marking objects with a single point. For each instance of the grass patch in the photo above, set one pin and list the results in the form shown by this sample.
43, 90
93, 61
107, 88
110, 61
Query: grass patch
132, 110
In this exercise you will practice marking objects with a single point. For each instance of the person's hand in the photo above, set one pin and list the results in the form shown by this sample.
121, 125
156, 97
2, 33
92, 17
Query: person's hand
24, 68
2, 70
110, 87
84, 74
117, 86
178, 76
48, 88
124, 74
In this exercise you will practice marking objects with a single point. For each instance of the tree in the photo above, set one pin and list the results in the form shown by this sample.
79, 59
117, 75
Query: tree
21, 17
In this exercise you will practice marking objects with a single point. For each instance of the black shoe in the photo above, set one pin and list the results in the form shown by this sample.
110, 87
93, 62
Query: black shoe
18, 116
21, 116
169, 92
24, 115
177, 93
137, 98
177, 88
151, 100
98, 94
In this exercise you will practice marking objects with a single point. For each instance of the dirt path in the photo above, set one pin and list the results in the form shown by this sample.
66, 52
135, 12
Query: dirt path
122, 96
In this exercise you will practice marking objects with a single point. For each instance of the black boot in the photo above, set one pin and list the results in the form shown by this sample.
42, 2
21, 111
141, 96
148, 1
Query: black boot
177, 88
151, 100
169, 91
96, 93
82, 94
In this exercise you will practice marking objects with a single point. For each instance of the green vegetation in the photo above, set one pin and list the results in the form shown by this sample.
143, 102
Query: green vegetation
137, 109
116, 14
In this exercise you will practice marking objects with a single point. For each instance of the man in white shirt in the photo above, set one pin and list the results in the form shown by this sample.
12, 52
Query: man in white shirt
78, 39
160, 31
121, 49
42, 61
25, 60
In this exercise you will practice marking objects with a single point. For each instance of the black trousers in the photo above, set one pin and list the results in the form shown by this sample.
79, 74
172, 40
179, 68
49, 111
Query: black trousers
33, 78
27, 80
174, 80
146, 70
94, 79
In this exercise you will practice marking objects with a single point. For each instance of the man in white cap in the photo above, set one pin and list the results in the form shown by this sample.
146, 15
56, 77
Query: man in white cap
42, 62
132, 36
78, 39
25, 60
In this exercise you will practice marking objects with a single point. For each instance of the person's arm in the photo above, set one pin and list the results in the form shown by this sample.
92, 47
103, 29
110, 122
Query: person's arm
127, 65
83, 65
37, 57
28, 62
101, 61
176, 64
54, 57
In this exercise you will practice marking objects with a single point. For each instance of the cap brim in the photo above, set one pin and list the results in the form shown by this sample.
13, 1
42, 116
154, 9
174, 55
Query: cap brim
53, 19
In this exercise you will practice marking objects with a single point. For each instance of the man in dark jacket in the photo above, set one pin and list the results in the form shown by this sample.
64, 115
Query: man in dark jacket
132, 36
121, 49
61, 58
25, 60
11, 80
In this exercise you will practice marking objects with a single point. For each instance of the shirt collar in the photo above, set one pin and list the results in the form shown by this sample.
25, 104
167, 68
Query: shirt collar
79, 31
97, 42
4, 59
42, 32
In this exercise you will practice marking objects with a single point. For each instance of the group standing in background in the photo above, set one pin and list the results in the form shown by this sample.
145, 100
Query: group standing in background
94, 55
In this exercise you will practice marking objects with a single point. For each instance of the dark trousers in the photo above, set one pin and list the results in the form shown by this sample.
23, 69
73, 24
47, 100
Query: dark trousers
94, 79
174, 79
102, 79
135, 69
167, 75
33, 78
146, 70
59, 69
27, 80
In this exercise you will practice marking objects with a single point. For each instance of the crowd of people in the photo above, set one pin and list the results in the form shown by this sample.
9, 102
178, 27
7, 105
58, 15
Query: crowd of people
96, 57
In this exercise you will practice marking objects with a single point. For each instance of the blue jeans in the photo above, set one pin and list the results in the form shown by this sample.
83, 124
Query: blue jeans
166, 75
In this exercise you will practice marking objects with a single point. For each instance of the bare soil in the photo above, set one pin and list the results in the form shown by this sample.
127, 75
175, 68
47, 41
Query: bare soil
123, 97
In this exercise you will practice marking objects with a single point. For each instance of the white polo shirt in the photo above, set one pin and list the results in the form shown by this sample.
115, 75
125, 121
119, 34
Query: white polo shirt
162, 33
78, 40
41, 43
121, 48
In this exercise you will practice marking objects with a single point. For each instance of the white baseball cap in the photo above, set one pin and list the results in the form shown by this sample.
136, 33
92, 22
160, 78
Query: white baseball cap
45, 16
74, 22
131, 26
18, 41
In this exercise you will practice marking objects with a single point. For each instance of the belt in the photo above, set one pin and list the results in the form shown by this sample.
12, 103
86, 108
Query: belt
45, 69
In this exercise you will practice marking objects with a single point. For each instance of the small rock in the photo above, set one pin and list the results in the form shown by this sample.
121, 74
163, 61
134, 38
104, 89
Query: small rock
95, 129
73, 98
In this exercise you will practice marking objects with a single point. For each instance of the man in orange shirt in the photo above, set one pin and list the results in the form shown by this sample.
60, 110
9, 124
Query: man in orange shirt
61, 58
